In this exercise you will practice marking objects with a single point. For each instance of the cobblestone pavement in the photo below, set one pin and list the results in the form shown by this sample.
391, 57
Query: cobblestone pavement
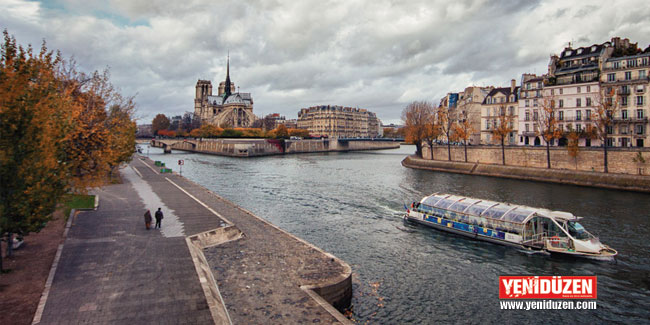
112, 270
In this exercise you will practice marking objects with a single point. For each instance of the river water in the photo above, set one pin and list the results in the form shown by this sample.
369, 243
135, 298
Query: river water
350, 204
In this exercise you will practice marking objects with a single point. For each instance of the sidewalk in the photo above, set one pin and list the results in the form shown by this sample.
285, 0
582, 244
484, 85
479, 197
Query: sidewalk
112, 270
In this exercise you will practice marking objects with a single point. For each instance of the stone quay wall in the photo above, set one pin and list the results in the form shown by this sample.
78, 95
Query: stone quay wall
267, 147
562, 176
589, 159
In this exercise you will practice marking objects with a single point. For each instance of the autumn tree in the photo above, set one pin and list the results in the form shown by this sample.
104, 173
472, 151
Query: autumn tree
462, 130
548, 125
606, 104
416, 117
281, 131
56, 134
160, 122
572, 147
503, 129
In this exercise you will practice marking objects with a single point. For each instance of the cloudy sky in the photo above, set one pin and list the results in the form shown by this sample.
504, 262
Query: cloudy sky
375, 54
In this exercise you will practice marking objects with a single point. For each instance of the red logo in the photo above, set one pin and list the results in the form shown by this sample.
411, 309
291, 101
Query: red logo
548, 287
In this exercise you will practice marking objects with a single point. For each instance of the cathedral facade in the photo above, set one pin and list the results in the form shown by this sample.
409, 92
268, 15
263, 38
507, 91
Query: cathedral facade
228, 108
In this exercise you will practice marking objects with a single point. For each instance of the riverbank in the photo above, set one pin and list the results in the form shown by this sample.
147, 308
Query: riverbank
271, 147
210, 262
562, 176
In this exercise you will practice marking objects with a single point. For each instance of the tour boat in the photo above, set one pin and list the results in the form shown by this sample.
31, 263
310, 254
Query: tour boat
520, 226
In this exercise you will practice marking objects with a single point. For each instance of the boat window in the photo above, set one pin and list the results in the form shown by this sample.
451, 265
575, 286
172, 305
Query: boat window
518, 215
432, 200
496, 212
443, 204
480, 207
460, 206
577, 231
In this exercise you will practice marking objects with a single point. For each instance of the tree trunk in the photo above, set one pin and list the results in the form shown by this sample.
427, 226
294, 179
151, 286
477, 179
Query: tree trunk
503, 151
418, 149
431, 149
10, 244
605, 155
548, 155
448, 149
465, 150
1, 267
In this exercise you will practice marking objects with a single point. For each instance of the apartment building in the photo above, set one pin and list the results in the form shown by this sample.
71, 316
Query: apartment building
339, 121
498, 102
531, 100
625, 80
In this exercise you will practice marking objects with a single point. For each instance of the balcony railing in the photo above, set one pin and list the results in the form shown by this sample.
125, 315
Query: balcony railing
631, 119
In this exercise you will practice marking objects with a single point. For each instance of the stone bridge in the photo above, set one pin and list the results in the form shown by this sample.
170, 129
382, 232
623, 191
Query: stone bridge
267, 147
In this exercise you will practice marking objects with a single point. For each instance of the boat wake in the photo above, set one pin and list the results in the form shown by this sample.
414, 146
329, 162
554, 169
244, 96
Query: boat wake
533, 252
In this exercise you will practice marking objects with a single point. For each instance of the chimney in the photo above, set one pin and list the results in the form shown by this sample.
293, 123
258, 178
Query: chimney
513, 84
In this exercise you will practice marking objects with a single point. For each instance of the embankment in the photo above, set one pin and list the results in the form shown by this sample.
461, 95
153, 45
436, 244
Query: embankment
562, 176
268, 147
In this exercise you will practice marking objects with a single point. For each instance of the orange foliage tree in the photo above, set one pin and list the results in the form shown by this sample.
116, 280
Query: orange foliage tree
416, 117
56, 135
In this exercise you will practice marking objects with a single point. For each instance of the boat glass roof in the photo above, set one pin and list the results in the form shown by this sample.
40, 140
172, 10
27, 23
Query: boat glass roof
490, 209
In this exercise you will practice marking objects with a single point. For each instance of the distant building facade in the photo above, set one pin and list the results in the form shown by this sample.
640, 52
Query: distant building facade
228, 108
531, 100
627, 78
467, 105
281, 120
339, 122
500, 101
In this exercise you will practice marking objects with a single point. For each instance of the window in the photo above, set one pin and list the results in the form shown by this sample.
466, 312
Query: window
639, 113
578, 89
588, 89
625, 90
528, 86
639, 129
527, 103
588, 100
535, 102
539, 84
631, 63
579, 127
535, 115
588, 115
628, 75
561, 103
610, 142
511, 110
644, 61
609, 129
535, 127
552, 92
527, 127
642, 74
639, 100
623, 100
624, 114
503, 99
617, 64
561, 91
578, 115
611, 77
527, 116
487, 124
560, 115
623, 129
538, 93
560, 127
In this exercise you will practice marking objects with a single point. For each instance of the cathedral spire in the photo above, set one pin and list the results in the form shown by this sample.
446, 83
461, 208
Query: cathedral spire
227, 90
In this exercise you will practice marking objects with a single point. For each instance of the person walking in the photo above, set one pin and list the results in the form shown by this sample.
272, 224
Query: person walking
147, 219
159, 217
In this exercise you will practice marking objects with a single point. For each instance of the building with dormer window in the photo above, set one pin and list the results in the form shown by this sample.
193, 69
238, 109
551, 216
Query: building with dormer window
499, 101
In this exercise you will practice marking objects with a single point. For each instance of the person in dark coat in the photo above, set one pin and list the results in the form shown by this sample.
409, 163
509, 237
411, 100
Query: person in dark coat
159, 217
147, 219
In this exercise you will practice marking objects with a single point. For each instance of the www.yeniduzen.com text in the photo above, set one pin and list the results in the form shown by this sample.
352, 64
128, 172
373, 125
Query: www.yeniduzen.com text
546, 304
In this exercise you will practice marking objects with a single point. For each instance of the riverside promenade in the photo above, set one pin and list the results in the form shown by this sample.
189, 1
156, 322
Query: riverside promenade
212, 262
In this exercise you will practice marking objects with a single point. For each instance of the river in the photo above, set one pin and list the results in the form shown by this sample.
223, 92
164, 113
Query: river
350, 204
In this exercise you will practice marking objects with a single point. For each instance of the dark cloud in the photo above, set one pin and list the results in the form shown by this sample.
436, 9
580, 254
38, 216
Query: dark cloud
290, 54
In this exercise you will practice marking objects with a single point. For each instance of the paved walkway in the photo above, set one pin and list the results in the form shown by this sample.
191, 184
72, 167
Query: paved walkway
112, 270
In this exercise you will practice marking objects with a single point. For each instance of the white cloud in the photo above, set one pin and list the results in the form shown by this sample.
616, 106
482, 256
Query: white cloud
377, 54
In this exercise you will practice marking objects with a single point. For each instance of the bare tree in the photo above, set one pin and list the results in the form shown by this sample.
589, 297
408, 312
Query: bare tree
606, 107
462, 130
548, 125
416, 117
445, 119
503, 129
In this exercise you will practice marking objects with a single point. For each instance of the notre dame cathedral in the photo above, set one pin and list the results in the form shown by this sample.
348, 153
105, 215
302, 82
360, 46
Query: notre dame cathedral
228, 108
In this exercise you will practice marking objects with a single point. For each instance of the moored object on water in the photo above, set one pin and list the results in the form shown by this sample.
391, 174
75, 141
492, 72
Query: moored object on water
521, 226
